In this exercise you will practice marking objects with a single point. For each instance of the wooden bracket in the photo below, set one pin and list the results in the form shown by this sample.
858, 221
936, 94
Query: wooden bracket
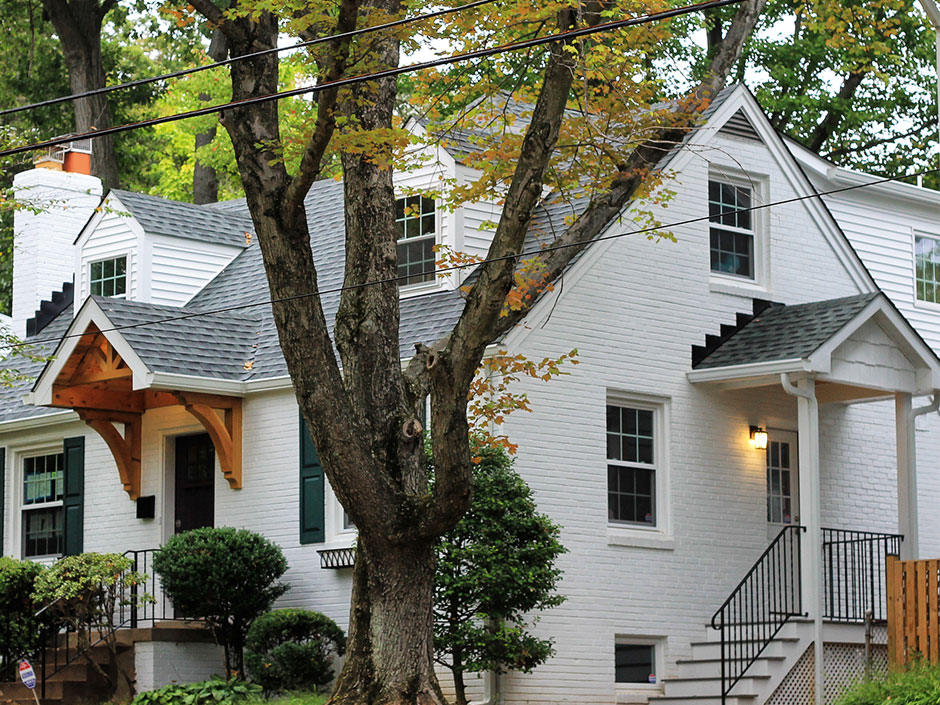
225, 430
125, 448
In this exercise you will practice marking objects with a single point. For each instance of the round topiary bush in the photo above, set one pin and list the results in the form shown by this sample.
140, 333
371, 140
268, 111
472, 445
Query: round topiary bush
291, 649
226, 576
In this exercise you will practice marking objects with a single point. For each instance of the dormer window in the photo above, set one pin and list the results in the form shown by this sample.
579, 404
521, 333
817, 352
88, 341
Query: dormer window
731, 233
415, 219
109, 278
927, 267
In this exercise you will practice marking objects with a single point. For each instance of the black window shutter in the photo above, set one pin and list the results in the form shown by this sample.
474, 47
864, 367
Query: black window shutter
73, 499
312, 515
3, 504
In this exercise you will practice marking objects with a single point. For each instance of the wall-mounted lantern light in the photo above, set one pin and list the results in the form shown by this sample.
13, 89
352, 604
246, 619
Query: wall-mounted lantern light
758, 438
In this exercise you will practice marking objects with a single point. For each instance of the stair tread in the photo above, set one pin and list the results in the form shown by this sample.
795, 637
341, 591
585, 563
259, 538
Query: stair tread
746, 641
711, 678
762, 657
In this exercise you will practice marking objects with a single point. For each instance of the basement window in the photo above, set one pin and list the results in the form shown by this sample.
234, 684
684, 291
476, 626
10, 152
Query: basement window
635, 662
108, 278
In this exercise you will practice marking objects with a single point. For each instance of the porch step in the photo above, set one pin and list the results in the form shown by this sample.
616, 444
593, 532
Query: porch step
707, 668
736, 699
711, 650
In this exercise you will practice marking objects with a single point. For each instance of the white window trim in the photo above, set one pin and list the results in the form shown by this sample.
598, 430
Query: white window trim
18, 477
639, 535
758, 184
435, 283
658, 643
920, 303
127, 273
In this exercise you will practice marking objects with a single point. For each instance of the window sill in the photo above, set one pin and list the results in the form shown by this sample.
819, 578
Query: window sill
637, 692
735, 287
640, 538
409, 290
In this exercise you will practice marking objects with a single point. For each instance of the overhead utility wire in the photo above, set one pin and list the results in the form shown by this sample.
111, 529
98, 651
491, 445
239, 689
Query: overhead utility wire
456, 267
243, 57
362, 78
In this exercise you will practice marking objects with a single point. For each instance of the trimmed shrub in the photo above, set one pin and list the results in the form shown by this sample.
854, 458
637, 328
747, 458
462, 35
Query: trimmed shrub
215, 691
20, 629
291, 649
226, 576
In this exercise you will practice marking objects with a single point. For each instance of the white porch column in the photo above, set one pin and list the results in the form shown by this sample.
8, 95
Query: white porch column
811, 571
907, 475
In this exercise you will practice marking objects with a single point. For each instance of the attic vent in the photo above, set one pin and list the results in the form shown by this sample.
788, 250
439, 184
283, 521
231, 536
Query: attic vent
739, 125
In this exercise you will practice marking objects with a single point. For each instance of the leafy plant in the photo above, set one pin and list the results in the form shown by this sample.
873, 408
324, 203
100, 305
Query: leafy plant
214, 690
291, 649
84, 592
226, 576
918, 685
20, 629
493, 568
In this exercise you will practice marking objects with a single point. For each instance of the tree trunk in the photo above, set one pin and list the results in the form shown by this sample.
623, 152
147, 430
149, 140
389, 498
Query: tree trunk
205, 180
78, 26
460, 689
390, 646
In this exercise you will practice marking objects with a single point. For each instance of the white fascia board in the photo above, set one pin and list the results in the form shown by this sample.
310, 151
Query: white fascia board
53, 419
89, 313
93, 222
194, 383
748, 371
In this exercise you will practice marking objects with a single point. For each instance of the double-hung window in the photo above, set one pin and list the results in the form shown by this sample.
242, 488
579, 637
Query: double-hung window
43, 484
631, 465
109, 278
927, 267
731, 230
415, 220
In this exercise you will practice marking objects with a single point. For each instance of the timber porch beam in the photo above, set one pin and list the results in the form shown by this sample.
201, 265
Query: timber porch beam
124, 447
225, 430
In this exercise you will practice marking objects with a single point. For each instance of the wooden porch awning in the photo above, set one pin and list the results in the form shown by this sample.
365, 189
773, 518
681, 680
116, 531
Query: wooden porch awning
97, 383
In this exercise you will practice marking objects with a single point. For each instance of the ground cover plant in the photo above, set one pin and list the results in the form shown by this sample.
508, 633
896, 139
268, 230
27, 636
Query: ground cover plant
918, 685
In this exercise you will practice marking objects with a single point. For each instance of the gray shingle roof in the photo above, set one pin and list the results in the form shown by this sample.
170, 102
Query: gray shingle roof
161, 216
787, 332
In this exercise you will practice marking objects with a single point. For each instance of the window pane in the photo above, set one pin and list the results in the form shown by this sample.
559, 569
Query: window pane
926, 259
631, 495
42, 479
96, 270
731, 252
633, 663
613, 418
42, 532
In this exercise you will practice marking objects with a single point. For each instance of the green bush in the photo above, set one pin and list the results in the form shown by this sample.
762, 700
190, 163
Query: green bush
291, 649
225, 576
18, 624
918, 685
210, 692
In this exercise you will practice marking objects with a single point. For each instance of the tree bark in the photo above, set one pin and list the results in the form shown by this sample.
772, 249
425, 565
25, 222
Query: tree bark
836, 113
205, 180
78, 26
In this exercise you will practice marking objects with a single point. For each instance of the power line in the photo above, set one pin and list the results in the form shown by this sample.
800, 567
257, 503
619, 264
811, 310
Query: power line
458, 267
387, 73
253, 55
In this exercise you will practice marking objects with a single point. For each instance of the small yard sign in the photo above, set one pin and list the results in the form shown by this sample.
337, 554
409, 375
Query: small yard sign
28, 676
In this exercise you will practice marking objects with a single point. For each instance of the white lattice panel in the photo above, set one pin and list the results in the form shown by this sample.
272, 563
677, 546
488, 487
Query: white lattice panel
844, 666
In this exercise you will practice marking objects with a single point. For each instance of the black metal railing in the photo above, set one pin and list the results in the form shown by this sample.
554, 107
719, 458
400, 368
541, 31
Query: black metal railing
854, 573
139, 603
759, 606
336, 558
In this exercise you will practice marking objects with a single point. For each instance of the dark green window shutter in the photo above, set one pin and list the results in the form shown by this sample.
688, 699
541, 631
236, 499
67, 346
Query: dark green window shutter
73, 499
312, 515
3, 504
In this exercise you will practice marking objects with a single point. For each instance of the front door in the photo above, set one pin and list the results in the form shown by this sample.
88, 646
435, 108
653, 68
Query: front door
195, 482
783, 477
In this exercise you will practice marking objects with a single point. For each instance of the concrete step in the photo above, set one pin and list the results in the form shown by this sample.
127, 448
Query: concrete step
709, 668
736, 699
779, 646
684, 687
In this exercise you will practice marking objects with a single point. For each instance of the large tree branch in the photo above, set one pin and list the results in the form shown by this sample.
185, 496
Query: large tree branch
836, 113
311, 164
929, 124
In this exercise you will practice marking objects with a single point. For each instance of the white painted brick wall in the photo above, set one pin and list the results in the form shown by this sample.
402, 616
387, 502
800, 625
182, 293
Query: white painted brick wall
42, 249
160, 663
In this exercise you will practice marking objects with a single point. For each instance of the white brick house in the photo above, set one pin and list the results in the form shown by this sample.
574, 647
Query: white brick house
643, 453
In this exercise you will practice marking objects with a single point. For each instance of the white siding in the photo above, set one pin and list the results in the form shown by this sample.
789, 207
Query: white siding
181, 268
112, 237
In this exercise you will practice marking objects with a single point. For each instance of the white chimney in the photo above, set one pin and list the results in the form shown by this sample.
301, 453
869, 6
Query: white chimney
65, 196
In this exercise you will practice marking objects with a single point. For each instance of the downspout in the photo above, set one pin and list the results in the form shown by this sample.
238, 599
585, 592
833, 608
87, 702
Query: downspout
808, 415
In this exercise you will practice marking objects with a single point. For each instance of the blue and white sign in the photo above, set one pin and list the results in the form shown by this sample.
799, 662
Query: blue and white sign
27, 675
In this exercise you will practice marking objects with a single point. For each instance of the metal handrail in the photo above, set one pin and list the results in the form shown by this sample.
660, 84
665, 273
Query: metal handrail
759, 606
854, 572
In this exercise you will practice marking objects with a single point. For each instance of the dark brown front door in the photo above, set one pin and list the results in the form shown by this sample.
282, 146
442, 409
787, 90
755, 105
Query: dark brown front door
195, 482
